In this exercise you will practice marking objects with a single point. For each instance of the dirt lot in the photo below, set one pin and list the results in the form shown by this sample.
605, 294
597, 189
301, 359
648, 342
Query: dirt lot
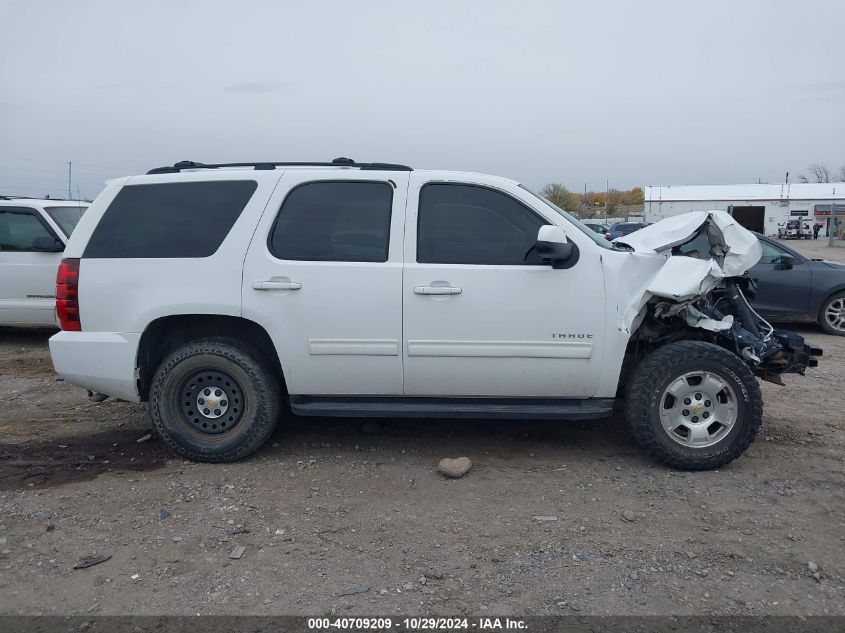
334, 507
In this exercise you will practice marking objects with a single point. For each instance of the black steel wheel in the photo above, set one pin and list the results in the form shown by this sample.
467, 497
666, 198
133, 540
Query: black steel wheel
212, 401
215, 400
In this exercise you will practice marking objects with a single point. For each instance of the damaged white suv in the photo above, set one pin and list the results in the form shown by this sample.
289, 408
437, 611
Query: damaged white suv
223, 294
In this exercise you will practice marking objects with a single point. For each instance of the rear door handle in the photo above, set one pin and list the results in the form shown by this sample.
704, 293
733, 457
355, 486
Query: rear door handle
437, 290
276, 284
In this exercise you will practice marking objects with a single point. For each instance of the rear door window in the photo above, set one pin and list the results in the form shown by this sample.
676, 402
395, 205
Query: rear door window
178, 219
334, 221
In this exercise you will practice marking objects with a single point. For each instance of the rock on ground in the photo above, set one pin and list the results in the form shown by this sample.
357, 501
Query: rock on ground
454, 467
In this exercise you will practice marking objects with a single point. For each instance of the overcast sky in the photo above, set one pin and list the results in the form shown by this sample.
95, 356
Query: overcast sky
722, 91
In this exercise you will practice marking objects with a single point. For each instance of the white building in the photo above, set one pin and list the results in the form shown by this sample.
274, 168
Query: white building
757, 207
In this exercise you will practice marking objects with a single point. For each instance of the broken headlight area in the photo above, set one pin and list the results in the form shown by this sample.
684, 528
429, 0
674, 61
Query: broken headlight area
723, 316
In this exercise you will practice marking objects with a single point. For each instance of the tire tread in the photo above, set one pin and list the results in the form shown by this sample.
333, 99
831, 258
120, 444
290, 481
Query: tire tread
264, 379
667, 361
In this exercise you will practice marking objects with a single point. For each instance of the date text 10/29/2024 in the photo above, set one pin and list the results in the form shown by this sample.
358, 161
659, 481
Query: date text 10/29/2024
416, 624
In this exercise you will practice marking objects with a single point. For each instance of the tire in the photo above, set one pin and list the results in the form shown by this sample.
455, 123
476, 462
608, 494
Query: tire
676, 368
239, 393
834, 304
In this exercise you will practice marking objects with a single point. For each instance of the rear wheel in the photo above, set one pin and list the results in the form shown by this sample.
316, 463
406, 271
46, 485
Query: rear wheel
215, 400
693, 405
832, 314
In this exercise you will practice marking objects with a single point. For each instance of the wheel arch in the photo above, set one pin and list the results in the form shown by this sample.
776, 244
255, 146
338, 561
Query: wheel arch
165, 334
820, 317
827, 295
639, 347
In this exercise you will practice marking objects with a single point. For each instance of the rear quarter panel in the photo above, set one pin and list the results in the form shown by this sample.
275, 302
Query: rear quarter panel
125, 295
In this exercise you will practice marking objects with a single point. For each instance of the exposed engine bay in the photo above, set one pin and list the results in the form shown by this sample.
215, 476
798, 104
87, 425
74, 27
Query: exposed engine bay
705, 295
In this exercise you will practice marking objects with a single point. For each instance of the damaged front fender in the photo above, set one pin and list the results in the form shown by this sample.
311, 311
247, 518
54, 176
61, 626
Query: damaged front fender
699, 295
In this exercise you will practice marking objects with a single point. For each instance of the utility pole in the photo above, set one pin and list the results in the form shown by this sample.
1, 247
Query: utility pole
585, 203
606, 197
69, 194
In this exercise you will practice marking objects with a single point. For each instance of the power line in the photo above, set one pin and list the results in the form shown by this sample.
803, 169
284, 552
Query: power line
64, 162
50, 171
38, 181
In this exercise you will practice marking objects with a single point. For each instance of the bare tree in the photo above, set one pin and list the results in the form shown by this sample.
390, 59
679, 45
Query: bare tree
842, 173
819, 172
562, 197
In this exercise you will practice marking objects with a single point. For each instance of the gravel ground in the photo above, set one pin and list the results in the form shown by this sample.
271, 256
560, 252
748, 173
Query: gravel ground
552, 519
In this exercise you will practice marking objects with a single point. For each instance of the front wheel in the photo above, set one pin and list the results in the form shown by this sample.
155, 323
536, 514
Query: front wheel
215, 400
693, 405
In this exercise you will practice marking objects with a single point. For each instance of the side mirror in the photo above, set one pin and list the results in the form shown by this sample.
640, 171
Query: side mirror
47, 244
553, 245
786, 262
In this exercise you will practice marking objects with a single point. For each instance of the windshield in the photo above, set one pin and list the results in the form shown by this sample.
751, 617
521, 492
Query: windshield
66, 217
598, 238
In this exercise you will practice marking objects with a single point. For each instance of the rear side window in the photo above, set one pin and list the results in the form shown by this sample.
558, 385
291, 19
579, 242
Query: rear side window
177, 219
334, 222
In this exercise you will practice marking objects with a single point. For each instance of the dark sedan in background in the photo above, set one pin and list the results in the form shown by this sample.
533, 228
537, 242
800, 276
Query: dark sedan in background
793, 287
598, 227
625, 228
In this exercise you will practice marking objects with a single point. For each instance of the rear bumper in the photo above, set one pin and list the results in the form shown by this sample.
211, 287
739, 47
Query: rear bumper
99, 361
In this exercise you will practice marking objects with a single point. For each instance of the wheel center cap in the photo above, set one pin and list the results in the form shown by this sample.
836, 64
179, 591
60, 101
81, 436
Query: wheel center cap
212, 402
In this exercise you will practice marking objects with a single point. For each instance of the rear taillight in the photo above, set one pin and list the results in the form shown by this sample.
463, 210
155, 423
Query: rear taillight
67, 295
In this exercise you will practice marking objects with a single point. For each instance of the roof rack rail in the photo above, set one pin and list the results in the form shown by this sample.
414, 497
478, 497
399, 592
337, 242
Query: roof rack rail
5, 196
337, 162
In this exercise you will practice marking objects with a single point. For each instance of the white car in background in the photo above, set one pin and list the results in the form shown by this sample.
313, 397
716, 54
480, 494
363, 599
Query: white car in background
33, 234
795, 230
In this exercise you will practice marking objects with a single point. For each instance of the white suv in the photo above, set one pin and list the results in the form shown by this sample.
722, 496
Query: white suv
222, 294
33, 234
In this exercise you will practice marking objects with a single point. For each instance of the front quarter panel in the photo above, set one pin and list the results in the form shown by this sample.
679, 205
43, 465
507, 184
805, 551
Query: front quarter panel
826, 282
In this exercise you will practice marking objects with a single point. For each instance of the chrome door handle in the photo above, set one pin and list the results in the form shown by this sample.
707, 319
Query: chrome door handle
272, 284
437, 290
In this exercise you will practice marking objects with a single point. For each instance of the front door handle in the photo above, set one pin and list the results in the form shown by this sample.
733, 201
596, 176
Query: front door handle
276, 283
437, 290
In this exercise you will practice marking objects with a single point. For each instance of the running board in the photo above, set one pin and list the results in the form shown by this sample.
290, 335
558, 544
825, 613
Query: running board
404, 407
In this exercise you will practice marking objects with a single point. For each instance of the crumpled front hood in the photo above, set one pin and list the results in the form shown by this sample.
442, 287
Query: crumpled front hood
656, 272
733, 250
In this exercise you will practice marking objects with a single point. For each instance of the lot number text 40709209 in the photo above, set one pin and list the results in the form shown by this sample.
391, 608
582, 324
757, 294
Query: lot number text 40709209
417, 624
